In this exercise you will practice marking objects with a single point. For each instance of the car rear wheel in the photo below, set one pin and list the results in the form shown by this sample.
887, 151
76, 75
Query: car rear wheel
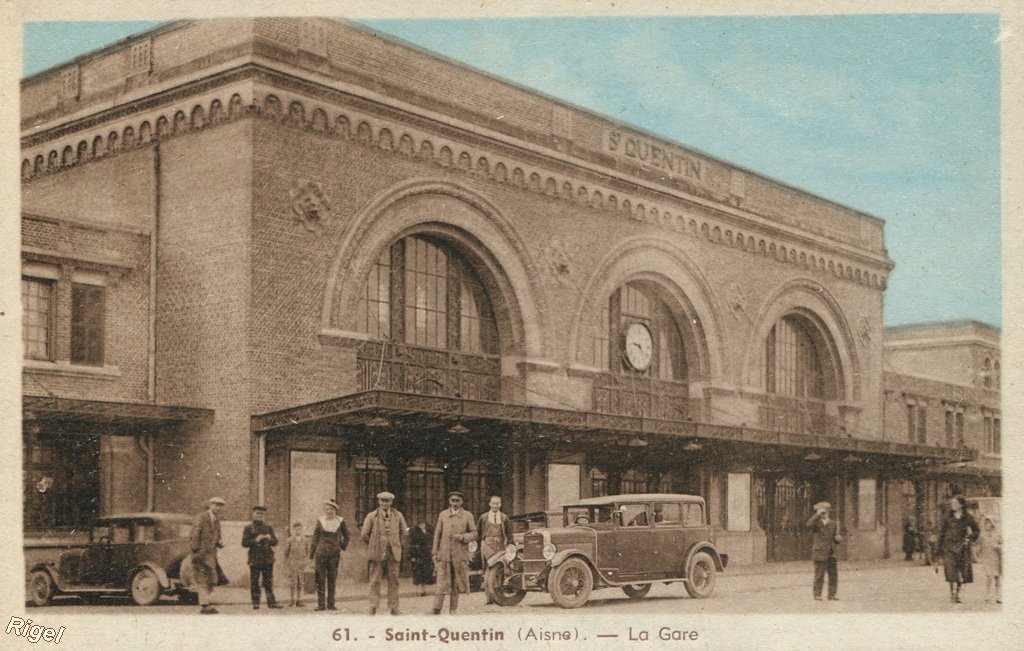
499, 593
700, 576
145, 587
570, 583
41, 588
638, 591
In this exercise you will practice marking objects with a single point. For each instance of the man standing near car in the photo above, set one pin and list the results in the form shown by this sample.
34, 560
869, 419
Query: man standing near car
382, 532
205, 539
258, 537
454, 531
824, 539
494, 533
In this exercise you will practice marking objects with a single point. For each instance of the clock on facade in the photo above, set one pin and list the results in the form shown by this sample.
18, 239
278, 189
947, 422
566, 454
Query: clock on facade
639, 346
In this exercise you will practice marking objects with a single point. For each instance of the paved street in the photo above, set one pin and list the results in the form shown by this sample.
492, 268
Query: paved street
892, 586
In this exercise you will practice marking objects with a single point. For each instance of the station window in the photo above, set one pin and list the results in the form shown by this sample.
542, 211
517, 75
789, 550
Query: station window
420, 291
88, 313
37, 317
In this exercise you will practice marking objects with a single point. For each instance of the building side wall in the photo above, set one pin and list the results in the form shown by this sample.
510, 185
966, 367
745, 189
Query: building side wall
202, 315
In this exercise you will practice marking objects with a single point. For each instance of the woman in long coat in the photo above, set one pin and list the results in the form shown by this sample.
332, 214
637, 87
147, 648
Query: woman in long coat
959, 530
421, 539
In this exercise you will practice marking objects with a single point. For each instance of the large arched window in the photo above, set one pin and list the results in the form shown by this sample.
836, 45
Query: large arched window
794, 365
639, 306
800, 376
422, 293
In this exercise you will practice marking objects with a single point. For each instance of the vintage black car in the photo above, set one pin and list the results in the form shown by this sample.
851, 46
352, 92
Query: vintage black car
134, 554
625, 541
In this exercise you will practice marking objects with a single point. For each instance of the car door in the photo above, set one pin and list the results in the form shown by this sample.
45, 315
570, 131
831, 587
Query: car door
115, 573
625, 549
94, 561
669, 540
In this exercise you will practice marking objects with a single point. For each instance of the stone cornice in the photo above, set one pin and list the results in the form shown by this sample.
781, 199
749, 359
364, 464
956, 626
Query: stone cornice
491, 156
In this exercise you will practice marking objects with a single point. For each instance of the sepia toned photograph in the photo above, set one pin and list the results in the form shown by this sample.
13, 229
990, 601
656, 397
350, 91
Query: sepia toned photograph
508, 330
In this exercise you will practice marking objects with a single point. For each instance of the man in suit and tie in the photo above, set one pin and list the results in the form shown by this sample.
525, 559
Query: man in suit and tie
824, 539
205, 539
494, 533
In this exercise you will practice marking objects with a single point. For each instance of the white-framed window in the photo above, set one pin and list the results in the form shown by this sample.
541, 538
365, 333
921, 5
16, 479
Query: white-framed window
917, 420
993, 425
37, 302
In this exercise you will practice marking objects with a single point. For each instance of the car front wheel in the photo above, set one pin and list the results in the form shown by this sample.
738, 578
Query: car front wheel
41, 588
570, 583
145, 587
700, 576
637, 591
499, 593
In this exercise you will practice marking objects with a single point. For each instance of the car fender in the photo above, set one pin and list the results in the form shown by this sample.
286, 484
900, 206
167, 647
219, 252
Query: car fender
496, 558
711, 551
52, 571
565, 554
161, 574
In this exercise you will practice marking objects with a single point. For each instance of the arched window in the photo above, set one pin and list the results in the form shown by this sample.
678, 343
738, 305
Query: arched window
986, 375
794, 365
421, 292
637, 307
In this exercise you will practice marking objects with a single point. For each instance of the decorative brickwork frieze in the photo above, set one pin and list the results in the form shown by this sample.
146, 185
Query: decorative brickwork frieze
401, 135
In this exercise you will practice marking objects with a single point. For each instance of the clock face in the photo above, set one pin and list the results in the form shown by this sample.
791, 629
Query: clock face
639, 346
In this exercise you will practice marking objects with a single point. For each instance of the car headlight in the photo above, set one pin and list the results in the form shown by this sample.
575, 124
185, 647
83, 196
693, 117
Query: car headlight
549, 551
510, 553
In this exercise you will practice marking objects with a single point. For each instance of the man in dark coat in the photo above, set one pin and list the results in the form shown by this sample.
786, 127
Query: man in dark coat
205, 540
455, 530
824, 538
258, 537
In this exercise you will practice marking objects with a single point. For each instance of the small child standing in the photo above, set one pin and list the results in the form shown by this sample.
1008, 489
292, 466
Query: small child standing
991, 553
296, 557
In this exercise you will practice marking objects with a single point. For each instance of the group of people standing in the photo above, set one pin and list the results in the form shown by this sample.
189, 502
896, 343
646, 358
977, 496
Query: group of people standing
957, 533
443, 560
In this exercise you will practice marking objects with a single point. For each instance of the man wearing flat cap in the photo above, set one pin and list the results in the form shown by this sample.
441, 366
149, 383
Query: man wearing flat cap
824, 540
382, 532
454, 532
205, 539
258, 537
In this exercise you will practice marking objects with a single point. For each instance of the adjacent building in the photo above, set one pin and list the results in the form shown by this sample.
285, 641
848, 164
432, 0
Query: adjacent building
283, 260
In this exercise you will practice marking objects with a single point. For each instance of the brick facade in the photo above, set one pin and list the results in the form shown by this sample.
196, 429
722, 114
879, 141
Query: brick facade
271, 161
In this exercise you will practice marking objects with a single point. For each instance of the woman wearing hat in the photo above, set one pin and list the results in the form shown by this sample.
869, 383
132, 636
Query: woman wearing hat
330, 538
959, 529
454, 532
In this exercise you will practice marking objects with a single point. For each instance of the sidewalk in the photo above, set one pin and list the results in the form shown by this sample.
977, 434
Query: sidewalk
238, 593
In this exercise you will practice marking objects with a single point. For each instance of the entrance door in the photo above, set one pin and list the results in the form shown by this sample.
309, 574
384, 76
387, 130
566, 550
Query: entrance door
313, 479
787, 504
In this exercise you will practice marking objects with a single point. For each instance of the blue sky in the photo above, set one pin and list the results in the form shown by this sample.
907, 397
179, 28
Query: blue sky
897, 116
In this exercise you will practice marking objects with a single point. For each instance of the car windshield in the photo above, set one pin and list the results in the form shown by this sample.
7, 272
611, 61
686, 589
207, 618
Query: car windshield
524, 524
588, 514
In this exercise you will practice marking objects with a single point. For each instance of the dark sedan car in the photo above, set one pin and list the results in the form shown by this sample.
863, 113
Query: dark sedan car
625, 541
133, 554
